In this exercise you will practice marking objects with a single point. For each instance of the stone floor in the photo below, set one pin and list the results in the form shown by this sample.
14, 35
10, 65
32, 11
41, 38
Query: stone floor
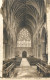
26, 71
24, 62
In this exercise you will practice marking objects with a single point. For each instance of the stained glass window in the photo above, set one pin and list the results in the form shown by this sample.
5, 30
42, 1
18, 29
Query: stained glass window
24, 38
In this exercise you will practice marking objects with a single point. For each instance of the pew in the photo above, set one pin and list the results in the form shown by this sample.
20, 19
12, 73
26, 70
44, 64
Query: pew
18, 61
8, 70
43, 70
6, 65
9, 65
33, 61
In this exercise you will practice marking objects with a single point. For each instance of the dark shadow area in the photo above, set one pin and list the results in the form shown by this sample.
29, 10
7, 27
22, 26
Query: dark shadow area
24, 54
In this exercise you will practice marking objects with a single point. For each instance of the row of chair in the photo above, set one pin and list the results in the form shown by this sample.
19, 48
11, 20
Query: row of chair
33, 61
8, 70
9, 65
43, 69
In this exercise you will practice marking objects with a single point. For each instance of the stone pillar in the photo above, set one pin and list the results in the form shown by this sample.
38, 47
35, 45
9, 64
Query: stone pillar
43, 49
13, 52
37, 51
48, 27
3, 51
36, 47
10, 52
7, 51
33, 51
39, 46
1, 44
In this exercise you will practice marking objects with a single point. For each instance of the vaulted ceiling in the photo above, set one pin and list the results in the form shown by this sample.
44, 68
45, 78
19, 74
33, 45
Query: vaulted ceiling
28, 12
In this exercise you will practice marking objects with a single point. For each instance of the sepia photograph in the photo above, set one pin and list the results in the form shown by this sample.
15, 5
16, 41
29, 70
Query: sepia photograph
25, 39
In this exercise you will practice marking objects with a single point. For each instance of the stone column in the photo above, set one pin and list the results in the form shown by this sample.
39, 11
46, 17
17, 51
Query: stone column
4, 51
48, 28
33, 51
1, 44
10, 52
43, 49
37, 50
13, 52
39, 46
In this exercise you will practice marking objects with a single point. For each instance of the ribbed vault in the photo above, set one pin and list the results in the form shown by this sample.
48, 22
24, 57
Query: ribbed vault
28, 12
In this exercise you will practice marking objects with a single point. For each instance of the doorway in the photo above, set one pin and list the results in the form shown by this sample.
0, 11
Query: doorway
24, 54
